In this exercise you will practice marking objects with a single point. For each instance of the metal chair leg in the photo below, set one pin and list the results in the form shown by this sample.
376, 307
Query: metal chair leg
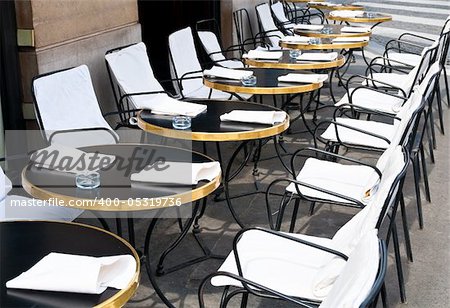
406, 228
398, 261
440, 112
416, 171
425, 174
294, 215
447, 90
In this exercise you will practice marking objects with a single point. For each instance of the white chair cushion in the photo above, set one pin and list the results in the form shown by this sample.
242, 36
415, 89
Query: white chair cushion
22, 208
133, 72
278, 10
348, 180
373, 100
5, 184
277, 263
357, 276
67, 100
354, 137
184, 56
211, 44
268, 24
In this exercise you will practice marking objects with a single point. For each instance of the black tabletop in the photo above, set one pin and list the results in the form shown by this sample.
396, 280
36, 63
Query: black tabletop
264, 78
115, 180
24, 243
208, 126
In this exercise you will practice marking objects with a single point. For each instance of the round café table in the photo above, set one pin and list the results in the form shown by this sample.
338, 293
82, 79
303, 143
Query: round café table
324, 44
207, 127
375, 19
286, 62
24, 243
118, 194
266, 84
330, 31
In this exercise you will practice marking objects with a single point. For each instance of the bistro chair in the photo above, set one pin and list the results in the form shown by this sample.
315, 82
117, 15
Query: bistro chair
408, 47
282, 21
208, 32
267, 26
186, 69
378, 136
300, 268
67, 109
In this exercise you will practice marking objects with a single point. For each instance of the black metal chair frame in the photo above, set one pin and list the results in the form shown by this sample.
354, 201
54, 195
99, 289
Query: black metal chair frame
250, 287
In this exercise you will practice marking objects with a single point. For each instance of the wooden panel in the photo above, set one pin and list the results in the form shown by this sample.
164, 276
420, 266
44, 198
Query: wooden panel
58, 21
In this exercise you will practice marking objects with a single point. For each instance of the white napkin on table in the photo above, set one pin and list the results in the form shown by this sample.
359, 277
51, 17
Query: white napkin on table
296, 39
318, 56
308, 27
251, 116
163, 104
347, 13
325, 3
262, 54
76, 273
178, 173
228, 73
303, 78
66, 159
351, 39
355, 29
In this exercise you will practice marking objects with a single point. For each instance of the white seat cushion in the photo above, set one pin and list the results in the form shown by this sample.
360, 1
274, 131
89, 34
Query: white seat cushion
357, 138
348, 180
398, 80
373, 100
277, 263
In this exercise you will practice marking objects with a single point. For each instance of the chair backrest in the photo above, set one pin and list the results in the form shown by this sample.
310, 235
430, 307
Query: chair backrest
244, 30
360, 281
372, 215
443, 43
65, 101
208, 33
184, 59
410, 112
267, 25
5, 185
130, 67
279, 13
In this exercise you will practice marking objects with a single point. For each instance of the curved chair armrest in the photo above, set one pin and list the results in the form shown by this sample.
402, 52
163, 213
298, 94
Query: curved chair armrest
317, 188
344, 107
336, 124
254, 290
372, 88
116, 139
334, 155
409, 34
389, 60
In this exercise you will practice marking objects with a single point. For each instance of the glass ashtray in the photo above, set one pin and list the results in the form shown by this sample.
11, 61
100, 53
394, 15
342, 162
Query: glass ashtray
181, 122
249, 81
369, 14
315, 40
326, 30
294, 53
88, 180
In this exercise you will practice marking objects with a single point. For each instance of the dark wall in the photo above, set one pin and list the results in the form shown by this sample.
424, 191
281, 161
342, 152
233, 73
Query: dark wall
161, 18
10, 91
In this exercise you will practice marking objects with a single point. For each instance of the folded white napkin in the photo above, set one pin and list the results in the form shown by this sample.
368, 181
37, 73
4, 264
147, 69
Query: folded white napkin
308, 27
326, 3
296, 39
66, 159
347, 13
303, 78
351, 39
318, 56
355, 29
228, 73
178, 173
262, 54
75, 273
164, 104
251, 116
